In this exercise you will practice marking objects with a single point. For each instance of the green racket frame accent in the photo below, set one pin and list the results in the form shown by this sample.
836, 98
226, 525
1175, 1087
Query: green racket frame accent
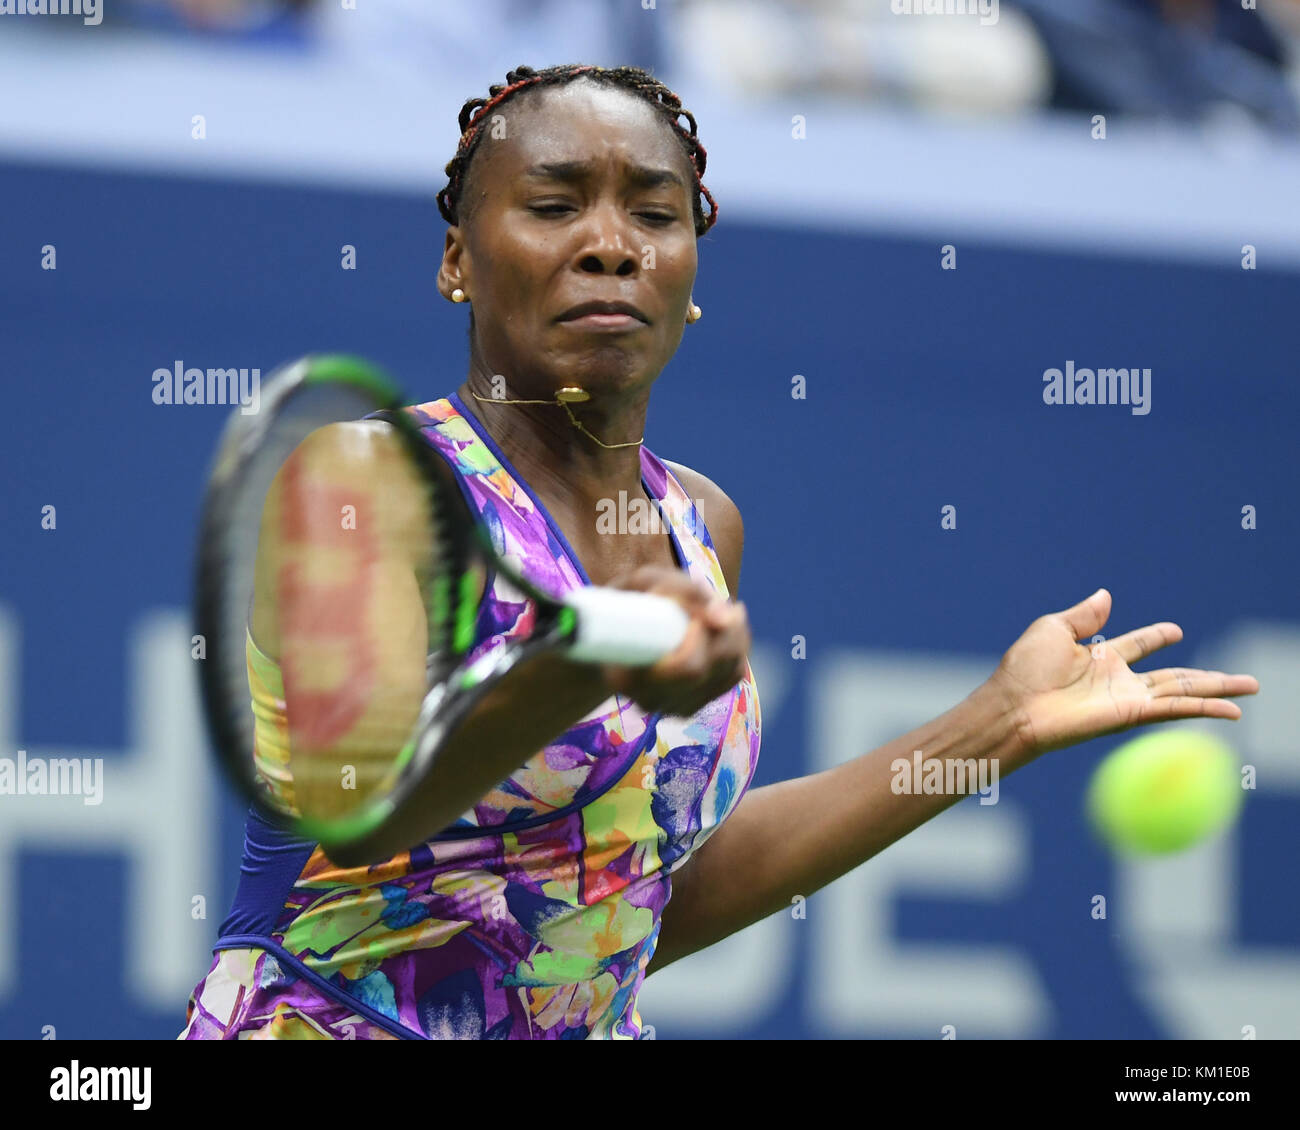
466, 608
357, 371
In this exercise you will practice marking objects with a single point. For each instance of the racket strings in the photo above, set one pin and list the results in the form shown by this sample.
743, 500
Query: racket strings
342, 596
326, 716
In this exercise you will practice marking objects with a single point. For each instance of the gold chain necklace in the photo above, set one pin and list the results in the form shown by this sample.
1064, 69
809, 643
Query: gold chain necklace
563, 398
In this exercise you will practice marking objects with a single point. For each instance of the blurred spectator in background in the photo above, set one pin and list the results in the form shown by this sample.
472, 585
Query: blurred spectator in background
1181, 59
863, 49
461, 44
463, 47
1178, 59
1283, 20
254, 19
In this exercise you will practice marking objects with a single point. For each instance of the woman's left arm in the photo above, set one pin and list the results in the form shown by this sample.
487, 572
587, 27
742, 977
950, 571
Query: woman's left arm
1049, 691
794, 837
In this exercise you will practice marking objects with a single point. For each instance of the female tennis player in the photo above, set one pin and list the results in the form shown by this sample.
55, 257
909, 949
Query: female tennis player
527, 894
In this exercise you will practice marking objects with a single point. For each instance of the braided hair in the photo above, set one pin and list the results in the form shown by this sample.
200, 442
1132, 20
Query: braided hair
476, 111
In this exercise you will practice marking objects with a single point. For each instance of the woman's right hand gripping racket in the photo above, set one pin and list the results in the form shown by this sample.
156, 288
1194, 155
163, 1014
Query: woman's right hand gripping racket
303, 564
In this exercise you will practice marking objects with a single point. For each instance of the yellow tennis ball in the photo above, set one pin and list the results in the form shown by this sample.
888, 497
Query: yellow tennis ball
1164, 791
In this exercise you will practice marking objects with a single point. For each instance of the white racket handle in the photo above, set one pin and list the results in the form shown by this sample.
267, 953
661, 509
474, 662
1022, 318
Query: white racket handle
617, 626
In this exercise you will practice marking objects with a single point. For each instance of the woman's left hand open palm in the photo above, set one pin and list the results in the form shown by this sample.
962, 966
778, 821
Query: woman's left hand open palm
1064, 692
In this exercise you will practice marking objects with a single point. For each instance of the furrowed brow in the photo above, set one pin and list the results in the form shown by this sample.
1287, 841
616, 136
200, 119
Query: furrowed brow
571, 171
644, 177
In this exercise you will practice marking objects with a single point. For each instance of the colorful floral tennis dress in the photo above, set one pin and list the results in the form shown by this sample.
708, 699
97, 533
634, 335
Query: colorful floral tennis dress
534, 915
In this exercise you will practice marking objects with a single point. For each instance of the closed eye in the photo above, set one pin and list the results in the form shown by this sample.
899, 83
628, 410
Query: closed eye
556, 209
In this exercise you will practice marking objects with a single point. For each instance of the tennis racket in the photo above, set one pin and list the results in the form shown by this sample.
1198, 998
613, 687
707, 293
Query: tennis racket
287, 596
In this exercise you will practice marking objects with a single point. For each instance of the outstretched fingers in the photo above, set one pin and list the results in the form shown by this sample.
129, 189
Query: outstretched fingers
1141, 642
1183, 706
1191, 682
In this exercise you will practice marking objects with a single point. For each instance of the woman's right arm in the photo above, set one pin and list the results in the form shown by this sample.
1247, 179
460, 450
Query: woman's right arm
342, 544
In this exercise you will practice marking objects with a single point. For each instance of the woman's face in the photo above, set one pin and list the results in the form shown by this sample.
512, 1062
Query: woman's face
577, 193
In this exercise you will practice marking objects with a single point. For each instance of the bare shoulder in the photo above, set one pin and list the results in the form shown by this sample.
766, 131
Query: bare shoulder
720, 515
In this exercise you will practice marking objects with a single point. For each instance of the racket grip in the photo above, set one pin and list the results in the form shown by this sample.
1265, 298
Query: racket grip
618, 626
